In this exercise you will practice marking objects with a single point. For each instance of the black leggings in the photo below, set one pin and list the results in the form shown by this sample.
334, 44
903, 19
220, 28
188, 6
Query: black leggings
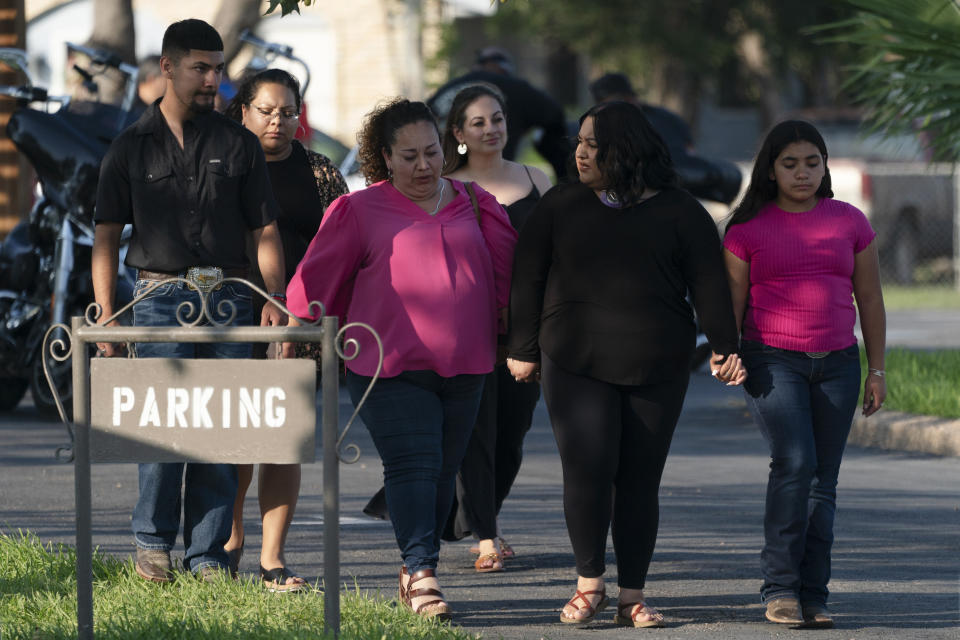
613, 442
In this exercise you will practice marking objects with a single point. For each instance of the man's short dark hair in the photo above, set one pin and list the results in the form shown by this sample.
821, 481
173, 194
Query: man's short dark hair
185, 35
614, 86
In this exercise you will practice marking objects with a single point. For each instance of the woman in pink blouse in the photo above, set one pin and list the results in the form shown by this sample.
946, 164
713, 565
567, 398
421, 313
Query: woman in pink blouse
412, 257
796, 260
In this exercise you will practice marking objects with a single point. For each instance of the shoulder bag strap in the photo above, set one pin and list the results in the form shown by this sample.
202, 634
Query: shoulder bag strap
473, 200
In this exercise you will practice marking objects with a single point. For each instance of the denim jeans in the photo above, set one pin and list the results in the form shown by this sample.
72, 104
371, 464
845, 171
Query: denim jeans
804, 407
208, 489
420, 423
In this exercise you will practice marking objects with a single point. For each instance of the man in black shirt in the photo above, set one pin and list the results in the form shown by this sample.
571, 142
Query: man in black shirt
527, 107
194, 186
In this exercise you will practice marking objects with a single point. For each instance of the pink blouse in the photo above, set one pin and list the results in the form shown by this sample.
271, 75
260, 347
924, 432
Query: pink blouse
430, 285
801, 274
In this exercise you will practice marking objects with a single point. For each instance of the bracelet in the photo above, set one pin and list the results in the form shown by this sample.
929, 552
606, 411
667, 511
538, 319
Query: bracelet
877, 372
279, 296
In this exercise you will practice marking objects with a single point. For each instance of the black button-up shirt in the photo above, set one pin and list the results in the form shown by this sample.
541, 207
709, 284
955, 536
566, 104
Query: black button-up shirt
191, 206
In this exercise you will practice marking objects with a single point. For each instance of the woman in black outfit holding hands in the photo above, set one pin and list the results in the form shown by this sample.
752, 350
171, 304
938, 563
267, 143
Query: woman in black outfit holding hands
598, 308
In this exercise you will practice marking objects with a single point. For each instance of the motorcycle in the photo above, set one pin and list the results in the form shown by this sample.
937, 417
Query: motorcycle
45, 260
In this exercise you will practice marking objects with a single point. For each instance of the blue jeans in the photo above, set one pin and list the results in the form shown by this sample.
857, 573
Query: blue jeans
420, 423
208, 489
804, 407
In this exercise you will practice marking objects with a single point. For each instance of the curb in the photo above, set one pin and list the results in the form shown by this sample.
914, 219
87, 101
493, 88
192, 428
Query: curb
907, 432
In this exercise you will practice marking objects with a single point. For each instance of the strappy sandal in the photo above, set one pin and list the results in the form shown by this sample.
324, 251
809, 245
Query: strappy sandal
436, 608
506, 551
494, 560
275, 580
624, 618
592, 609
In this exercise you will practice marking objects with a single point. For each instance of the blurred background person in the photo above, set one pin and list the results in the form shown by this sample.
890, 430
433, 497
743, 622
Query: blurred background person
797, 259
530, 108
150, 83
473, 144
304, 184
395, 256
598, 305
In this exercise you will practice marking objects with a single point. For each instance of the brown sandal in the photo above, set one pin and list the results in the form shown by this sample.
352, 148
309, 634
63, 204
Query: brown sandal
593, 610
624, 618
480, 564
437, 608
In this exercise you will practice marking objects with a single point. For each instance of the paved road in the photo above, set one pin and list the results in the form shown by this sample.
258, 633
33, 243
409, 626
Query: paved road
895, 561
927, 329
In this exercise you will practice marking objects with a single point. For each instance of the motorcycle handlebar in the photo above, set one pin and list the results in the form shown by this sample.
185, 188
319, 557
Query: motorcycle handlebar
105, 58
279, 49
27, 94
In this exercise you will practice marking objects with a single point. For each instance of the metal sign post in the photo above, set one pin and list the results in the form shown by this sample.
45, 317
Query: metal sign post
121, 433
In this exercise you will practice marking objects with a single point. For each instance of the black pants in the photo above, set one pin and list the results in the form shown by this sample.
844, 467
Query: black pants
493, 456
613, 442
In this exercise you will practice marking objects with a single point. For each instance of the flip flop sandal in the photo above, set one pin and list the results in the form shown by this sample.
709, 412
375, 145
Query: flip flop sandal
487, 563
506, 551
233, 559
592, 610
275, 580
624, 618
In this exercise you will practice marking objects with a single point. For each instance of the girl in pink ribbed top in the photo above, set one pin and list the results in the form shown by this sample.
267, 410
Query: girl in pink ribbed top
796, 260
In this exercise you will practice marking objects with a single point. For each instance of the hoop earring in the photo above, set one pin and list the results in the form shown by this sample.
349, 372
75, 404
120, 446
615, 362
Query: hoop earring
462, 148
299, 130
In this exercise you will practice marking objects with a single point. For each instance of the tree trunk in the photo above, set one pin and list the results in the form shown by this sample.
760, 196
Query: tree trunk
15, 174
232, 18
113, 30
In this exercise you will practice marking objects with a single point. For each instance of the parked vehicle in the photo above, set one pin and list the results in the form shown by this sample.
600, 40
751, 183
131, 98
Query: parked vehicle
45, 260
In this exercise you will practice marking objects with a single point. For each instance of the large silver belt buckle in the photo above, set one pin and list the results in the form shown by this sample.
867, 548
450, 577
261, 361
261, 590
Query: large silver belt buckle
817, 354
205, 279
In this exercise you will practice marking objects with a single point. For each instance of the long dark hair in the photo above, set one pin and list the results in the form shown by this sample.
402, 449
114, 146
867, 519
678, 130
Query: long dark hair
458, 117
763, 188
379, 133
631, 155
249, 87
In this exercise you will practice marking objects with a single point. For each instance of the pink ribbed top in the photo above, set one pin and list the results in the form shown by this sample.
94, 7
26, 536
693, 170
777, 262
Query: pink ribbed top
801, 274
430, 285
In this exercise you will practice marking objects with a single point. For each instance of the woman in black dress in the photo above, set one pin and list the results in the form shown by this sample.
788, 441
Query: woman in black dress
473, 143
304, 184
598, 306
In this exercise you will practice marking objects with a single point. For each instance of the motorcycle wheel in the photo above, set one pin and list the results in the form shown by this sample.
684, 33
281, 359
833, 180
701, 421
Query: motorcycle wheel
12, 391
62, 373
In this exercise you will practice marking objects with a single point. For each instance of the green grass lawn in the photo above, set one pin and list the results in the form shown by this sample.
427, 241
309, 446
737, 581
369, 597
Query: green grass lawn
900, 298
38, 600
923, 382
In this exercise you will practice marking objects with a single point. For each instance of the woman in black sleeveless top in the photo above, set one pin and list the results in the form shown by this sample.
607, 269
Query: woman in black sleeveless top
476, 132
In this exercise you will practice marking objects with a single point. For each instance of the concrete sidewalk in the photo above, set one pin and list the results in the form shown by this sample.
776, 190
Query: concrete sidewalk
895, 561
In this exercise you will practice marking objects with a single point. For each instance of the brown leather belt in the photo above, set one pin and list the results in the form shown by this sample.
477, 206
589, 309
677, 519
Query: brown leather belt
143, 274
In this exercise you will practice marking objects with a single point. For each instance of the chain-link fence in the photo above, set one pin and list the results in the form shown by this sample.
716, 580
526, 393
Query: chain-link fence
914, 209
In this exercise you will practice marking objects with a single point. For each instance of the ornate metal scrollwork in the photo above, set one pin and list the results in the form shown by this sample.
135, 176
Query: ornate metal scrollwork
342, 345
60, 348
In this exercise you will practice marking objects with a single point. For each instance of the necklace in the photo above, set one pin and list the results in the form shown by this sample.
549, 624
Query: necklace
439, 200
610, 199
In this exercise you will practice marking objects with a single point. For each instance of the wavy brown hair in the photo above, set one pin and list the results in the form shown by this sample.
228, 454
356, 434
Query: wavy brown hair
379, 133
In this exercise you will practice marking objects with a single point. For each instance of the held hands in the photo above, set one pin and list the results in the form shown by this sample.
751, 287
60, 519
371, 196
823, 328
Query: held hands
729, 370
523, 371
874, 393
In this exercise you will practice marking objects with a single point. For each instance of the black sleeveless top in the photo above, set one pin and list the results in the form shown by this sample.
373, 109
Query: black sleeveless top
519, 210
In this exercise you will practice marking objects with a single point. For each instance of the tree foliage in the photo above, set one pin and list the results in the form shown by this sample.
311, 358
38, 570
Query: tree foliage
909, 74
747, 50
